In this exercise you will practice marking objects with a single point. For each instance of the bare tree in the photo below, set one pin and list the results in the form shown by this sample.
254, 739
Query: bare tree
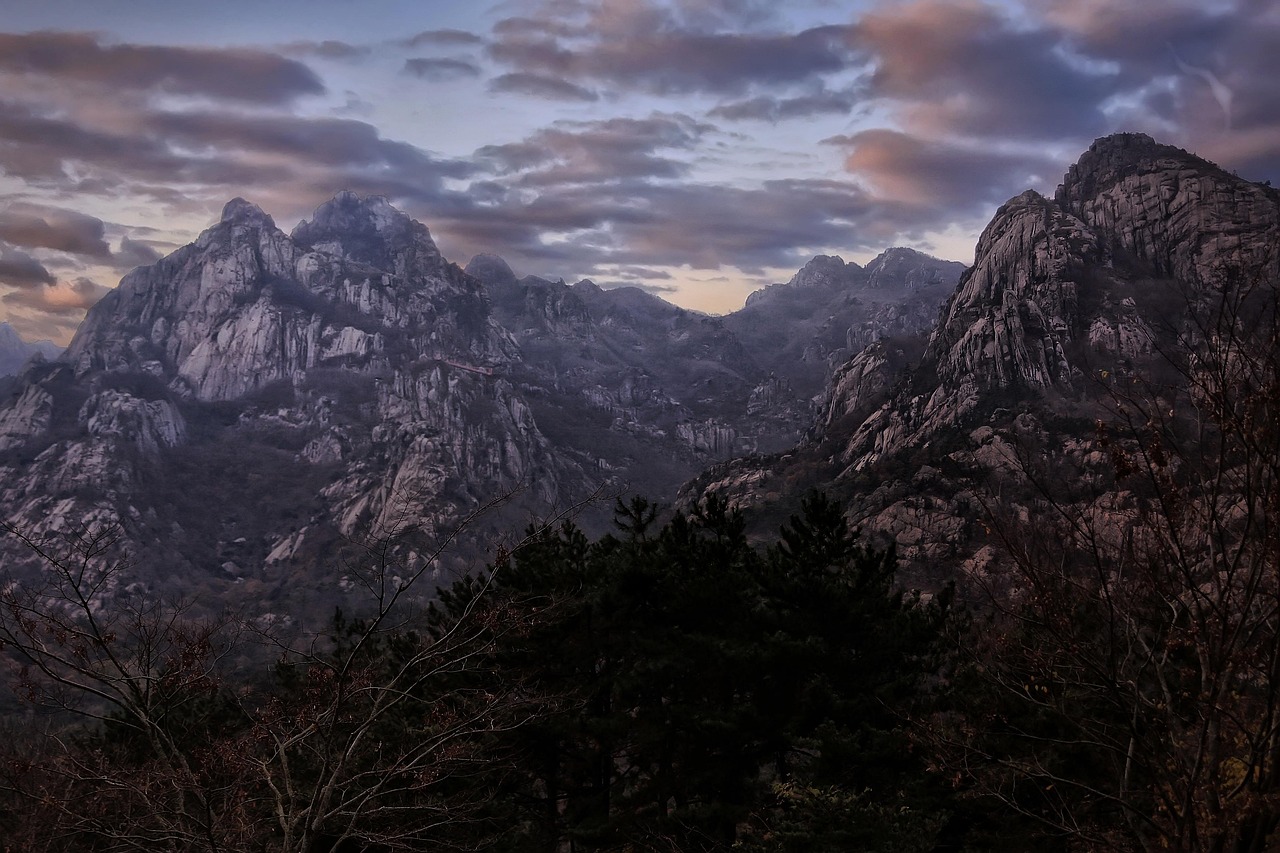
369, 734
1133, 651
146, 672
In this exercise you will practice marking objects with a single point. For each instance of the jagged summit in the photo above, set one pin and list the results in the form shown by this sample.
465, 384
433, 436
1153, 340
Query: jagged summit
1111, 158
491, 269
899, 266
367, 230
823, 270
1063, 290
241, 212
1177, 213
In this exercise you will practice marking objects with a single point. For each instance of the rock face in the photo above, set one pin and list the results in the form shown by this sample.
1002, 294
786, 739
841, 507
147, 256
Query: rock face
15, 352
1062, 291
831, 310
259, 400
671, 387
280, 392
680, 390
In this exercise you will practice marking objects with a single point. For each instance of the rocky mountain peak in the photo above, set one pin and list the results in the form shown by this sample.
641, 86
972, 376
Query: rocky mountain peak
1063, 293
1122, 155
14, 351
367, 230
900, 266
241, 212
492, 270
822, 269
1179, 215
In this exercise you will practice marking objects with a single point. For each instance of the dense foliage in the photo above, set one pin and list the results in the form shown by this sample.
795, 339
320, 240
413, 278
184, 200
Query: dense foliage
670, 686
706, 691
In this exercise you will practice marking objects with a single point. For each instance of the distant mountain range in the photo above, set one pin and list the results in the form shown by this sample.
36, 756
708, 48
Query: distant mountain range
253, 406
15, 352
250, 406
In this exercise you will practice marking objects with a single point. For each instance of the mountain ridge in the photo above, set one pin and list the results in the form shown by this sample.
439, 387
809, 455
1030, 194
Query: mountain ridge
1063, 291
345, 383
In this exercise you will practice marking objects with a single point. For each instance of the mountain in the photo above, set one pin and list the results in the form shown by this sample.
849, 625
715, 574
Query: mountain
15, 352
258, 407
249, 404
831, 310
1065, 293
719, 386
632, 382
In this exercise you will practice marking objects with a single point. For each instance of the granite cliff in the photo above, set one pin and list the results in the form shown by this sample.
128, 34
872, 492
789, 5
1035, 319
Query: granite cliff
1065, 294
244, 405
250, 406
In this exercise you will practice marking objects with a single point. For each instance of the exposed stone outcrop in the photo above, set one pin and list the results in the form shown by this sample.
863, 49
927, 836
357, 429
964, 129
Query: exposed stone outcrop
830, 310
1181, 214
29, 416
350, 358
1063, 294
148, 425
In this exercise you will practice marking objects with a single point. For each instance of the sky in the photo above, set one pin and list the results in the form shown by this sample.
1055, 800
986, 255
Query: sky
699, 149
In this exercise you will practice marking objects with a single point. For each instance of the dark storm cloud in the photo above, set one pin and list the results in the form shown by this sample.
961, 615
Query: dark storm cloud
541, 86
440, 69
965, 68
775, 109
54, 228
250, 76
18, 269
944, 176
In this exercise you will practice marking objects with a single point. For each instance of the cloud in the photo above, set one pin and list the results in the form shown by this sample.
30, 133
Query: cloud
134, 253
541, 86
966, 68
639, 46
446, 38
1111, 31
37, 227
181, 157
600, 151
440, 69
18, 269
593, 228
249, 76
640, 272
64, 299
945, 176
327, 49
647, 287
1208, 72
324, 141
774, 109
